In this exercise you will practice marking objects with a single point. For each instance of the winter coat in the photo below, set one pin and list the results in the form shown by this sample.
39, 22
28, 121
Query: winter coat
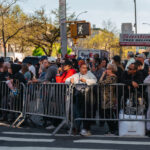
89, 77
65, 75
109, 99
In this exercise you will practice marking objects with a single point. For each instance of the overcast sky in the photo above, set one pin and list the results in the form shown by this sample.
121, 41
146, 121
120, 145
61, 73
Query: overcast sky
118, 11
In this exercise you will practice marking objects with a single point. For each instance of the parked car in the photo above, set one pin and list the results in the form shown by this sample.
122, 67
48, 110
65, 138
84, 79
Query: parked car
34, 60
7, 59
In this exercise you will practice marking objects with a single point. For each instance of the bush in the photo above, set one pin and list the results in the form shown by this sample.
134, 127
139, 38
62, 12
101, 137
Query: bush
38, 52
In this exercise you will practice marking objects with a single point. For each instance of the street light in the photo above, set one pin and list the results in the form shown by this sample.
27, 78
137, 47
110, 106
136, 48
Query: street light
135, 25
146, 23
81, 14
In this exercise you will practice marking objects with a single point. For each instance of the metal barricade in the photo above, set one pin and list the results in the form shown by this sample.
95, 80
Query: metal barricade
12, 101
48, 100
109, 102
73, 103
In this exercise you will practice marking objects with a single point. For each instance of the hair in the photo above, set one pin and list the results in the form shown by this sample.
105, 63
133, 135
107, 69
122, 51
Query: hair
24, 68
113, 68
117, 59
75, 64
88, 59
138, 63
131, 54
82, 64
135, 65
1, 65
105, 59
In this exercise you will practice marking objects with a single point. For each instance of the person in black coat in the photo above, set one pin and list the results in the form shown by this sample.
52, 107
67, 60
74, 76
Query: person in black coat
120, 69
132, 79
4, 71
15, 74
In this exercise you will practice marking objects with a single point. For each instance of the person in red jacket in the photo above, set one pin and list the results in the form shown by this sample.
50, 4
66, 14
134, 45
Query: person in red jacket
67, 72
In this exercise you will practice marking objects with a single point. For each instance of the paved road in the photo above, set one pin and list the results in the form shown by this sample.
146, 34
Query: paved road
39, 139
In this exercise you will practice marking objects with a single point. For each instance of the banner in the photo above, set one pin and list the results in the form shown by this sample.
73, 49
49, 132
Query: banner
134, 39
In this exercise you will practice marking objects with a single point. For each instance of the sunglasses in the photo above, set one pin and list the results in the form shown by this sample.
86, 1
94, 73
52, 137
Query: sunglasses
130, 68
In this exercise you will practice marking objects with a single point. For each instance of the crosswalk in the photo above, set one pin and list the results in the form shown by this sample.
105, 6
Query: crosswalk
12, 139
23, 140
112, 142
39, 148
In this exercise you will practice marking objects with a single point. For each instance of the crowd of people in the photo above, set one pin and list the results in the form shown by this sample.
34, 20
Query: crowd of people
133, 72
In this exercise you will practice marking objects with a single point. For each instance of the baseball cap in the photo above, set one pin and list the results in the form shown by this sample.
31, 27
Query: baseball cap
51, 60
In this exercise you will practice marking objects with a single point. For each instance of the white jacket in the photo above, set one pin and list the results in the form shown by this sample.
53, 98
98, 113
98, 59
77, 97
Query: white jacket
89, 77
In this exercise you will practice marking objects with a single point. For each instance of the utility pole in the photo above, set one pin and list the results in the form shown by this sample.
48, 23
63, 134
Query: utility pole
135, 25
63, 28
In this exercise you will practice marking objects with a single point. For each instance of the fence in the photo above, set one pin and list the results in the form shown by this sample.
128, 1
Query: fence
48, 100
12, 100
73, 104
109, 99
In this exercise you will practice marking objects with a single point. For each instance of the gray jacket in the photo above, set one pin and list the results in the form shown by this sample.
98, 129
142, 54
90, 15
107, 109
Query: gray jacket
51, 73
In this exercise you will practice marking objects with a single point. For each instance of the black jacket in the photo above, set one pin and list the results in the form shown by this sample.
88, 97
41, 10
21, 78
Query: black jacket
119, 74
16, 75
127, 79
145, 71
3, 76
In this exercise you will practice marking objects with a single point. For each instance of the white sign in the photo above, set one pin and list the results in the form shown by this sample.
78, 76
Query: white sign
134, 39
90, 53
126, 28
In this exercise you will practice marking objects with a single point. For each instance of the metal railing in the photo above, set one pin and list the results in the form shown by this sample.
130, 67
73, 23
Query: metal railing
76, 103
12, 102
48, 100
110, 100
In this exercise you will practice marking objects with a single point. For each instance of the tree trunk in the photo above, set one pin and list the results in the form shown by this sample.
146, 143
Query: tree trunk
50, 51
44, 50
3, 37
5, 49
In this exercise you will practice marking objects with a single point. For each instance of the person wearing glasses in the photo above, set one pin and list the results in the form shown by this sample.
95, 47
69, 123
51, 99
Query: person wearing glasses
132, 89
132, 77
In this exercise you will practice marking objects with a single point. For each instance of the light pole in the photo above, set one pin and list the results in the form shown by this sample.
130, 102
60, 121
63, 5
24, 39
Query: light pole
135, 9
84, 12
135, 25
146, 23
63, 28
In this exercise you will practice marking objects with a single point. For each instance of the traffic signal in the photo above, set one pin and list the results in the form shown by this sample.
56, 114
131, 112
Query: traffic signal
80, 29
83, 29
73, 28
